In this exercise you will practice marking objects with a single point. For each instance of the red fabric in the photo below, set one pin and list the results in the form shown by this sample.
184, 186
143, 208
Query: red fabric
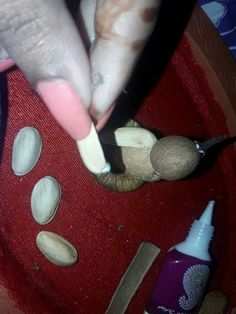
107, 228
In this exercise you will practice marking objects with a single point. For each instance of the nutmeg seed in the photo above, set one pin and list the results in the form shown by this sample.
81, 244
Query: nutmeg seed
174, 157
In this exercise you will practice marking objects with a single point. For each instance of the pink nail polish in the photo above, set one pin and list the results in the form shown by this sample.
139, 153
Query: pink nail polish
6, 64
66, 106
101, 122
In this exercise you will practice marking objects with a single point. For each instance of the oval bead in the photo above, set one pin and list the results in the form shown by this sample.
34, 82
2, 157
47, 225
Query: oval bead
56, 249
26, 150
45, 199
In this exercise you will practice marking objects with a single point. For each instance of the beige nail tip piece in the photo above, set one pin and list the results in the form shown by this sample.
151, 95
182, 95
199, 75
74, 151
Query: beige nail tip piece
132, 278
135, 137
45, 199
56, 249
26, 150
92, 154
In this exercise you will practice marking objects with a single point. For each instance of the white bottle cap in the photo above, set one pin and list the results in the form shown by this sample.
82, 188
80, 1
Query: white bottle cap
200, 234
208, 213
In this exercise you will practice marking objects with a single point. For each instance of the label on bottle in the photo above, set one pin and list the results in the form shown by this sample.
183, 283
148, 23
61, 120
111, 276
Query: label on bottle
181, 285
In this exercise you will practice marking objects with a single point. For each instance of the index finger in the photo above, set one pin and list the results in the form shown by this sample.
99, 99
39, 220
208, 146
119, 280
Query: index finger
122, 28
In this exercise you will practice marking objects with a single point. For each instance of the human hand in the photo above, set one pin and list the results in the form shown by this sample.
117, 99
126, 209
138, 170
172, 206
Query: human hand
44, 42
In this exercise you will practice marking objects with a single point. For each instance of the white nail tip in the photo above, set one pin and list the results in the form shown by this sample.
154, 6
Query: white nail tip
91, 152
56, 249
45, 199
26, 150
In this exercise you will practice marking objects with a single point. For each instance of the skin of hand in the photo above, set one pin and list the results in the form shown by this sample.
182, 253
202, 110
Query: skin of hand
42, 39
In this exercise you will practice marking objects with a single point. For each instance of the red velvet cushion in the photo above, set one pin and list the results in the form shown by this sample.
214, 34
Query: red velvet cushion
107, 228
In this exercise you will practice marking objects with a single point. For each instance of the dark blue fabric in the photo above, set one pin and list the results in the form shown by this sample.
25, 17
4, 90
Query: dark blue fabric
223, 16
3, 109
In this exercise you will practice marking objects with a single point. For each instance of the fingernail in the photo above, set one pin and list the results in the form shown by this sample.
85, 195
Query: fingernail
92, 154
67, 108
6, 64
101, 122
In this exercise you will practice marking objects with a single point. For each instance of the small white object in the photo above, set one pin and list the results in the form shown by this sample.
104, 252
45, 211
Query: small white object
45, 199
56, 249
27, 148
107, 168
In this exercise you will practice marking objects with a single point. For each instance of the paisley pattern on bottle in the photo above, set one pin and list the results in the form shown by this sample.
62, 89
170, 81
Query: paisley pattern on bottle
194, 283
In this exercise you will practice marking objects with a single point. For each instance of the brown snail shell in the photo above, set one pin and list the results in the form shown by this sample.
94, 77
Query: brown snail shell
138, 170
137, 163
119, 182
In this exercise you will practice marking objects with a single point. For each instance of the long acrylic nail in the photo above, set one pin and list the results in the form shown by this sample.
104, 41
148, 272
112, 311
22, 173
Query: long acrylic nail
67, 108
6, 64
92, 154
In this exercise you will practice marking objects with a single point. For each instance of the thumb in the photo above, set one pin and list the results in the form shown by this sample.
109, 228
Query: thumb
42, 39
